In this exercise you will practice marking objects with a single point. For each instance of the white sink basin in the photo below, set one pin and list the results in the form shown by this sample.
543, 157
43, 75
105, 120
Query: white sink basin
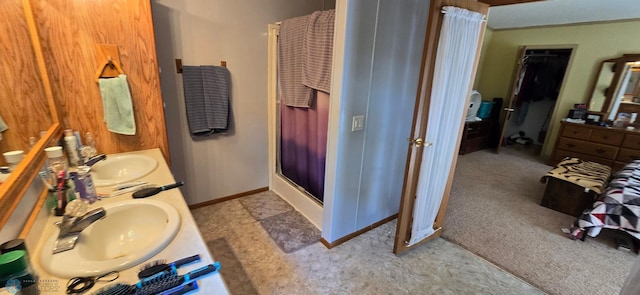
122, 168
132, 232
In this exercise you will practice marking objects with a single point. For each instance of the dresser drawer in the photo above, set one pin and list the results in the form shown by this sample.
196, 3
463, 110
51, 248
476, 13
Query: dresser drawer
628, 155
606, 137
631, 141
576, 132
588, 148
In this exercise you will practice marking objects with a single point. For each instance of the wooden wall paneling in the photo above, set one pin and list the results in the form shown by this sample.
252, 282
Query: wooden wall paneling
23, 103
105, 52
70, 31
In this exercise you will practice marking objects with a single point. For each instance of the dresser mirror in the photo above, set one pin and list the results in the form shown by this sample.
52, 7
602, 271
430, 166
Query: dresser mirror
616, 87
26, 102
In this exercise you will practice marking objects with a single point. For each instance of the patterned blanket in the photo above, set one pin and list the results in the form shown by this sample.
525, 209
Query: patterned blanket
617, 208
589, 175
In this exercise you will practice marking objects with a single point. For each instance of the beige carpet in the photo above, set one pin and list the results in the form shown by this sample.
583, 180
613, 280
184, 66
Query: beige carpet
494, 212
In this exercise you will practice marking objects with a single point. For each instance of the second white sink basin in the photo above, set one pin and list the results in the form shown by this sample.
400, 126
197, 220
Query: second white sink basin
131, 232
121, 168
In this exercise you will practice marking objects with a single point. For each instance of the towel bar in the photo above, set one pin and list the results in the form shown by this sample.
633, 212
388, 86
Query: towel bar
179, 65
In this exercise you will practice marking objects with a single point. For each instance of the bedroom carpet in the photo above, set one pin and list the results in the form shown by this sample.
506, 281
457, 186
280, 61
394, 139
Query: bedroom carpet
494, 212
363, 265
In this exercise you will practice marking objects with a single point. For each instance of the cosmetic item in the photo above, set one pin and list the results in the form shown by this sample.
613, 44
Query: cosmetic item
55, 159
162, 282
127, 185
115, 289
13, 245
16, 273
13, 158
71, 145
159, 266
61, 194
130, 189
182, 289
84, 184
148, 192
88, 150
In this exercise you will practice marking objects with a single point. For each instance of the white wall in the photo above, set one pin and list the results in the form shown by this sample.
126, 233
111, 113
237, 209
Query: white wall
206, 32
383, 42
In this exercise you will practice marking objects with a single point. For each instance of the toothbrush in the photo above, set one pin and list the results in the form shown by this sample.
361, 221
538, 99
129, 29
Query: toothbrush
122, 186
130, 189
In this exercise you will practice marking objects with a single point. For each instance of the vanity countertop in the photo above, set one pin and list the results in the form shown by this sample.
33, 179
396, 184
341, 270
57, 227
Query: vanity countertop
187, 242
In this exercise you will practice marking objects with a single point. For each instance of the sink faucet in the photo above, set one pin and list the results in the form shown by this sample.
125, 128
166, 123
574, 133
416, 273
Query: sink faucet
95, 159
72, 226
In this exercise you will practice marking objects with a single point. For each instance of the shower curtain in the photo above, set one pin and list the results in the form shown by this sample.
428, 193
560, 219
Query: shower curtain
303, 143
305, 47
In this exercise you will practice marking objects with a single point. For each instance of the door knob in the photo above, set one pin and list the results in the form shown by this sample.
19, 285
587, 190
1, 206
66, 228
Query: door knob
418, 142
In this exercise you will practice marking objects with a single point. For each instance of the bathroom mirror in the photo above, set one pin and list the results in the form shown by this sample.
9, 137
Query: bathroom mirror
616, 86
601, 85
26, 101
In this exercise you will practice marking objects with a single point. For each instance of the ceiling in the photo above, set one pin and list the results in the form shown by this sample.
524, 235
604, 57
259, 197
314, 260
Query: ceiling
561, 12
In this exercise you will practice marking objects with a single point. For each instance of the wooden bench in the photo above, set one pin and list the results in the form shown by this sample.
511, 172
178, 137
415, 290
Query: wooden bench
574, 185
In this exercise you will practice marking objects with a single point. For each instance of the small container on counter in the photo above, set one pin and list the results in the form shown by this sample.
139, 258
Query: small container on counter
84, 184
16, 274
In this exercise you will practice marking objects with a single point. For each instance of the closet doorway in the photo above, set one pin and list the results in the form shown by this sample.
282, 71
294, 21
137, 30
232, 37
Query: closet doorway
539, 76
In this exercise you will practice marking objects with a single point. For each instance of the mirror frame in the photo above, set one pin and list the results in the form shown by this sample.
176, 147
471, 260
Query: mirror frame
14, 188
620, 63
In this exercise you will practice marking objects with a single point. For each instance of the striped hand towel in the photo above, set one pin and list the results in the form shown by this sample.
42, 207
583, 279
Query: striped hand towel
317, 51
206, 93
292, 92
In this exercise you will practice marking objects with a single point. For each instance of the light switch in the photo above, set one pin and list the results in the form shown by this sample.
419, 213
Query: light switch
358, 123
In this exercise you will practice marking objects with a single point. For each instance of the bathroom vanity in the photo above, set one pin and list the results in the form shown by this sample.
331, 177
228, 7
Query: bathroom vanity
186, 242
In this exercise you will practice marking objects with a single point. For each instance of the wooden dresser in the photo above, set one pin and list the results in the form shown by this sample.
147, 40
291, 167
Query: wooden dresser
475, 136
614, 147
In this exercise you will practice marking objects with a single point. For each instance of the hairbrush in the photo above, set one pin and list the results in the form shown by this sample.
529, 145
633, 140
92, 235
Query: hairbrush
158, 266
115, 289
165, 281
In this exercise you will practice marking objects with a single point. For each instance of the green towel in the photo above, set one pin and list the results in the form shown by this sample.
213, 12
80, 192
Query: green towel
116, 102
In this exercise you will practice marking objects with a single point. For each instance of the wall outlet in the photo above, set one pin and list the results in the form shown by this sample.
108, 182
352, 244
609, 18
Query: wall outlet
358, 123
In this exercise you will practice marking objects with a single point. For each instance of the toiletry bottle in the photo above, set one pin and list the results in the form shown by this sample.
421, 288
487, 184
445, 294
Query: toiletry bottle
16, 274
13, 158
71, 145
57, 168
88, 150
55, 158
84, 185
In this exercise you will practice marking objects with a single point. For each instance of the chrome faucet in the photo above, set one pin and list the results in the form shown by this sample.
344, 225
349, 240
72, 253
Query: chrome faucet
95, 159
72, 226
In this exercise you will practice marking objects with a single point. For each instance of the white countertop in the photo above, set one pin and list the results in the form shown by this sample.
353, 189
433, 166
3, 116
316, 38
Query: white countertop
187, 242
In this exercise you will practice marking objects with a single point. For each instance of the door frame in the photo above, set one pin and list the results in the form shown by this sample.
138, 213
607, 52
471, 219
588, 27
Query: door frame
419, 125
553, 118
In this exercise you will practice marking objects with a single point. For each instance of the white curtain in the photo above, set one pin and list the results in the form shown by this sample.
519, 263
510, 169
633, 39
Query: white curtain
455, 56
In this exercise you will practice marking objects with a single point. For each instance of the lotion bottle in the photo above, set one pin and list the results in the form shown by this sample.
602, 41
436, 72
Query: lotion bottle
71, 143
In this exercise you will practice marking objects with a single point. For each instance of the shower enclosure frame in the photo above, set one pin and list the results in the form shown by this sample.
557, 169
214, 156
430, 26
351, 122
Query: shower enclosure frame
285, 188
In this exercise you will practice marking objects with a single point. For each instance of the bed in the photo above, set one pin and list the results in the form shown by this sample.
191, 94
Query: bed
617, 208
